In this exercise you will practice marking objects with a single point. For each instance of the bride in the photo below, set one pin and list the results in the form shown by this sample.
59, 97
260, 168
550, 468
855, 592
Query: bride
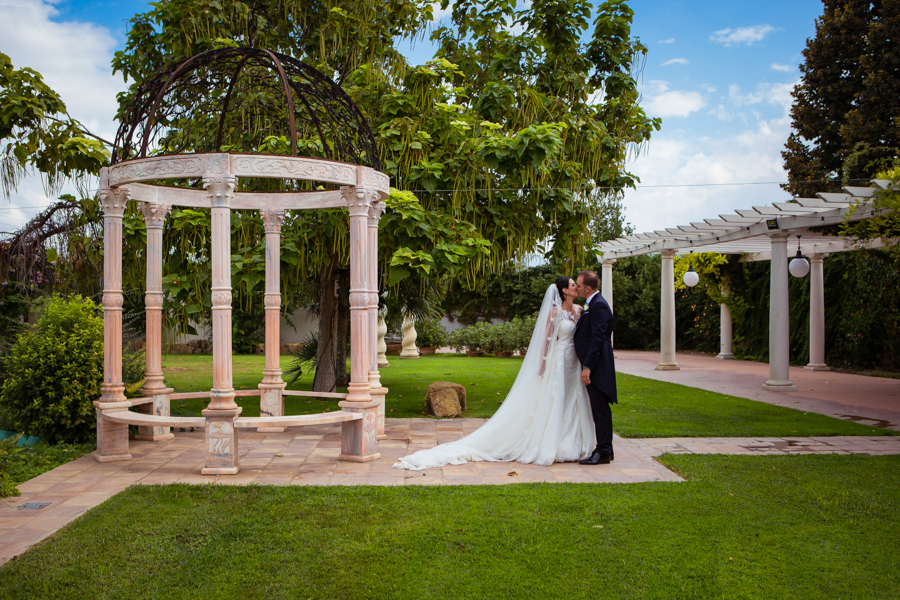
546, 417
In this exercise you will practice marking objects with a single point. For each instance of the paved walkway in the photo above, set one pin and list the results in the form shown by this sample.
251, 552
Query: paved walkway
308, 456
873, 401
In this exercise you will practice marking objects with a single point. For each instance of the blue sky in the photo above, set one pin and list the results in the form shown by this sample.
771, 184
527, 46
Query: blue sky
718, 73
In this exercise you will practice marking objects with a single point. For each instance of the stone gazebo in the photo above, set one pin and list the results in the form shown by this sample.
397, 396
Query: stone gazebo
247, 97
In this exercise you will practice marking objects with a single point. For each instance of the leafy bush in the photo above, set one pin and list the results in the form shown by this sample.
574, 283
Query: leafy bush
473, 338
8, 447
431, 334
54, 374
522, 328
305, 357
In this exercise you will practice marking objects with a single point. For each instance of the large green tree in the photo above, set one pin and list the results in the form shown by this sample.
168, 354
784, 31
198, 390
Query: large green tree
846, 112
493, 147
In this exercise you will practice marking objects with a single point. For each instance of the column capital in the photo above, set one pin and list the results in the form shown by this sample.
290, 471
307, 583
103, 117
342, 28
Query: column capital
113, 201
817, 257
221, 189
154, 214
375, 212
359, 200
272, 219
779, 236
667, 253
608, 261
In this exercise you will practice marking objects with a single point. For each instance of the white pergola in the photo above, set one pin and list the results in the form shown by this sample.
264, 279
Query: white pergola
759, 233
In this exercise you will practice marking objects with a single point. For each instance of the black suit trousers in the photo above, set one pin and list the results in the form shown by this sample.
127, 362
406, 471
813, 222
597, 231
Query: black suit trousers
602, 418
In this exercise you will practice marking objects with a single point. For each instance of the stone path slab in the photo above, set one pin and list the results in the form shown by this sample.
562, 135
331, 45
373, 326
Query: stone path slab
308, 456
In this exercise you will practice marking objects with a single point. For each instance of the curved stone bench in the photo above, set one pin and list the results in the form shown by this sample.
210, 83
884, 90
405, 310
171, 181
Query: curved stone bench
136, 418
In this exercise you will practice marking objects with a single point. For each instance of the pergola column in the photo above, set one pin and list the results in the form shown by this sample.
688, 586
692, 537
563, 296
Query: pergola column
359, 439
221, 434
726, 335
112, 438
378, 391
155, 386
817, 315
606, 285
779, 318
271, 399
667, 314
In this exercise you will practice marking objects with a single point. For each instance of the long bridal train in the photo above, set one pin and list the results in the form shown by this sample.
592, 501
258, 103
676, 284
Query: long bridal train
544, 418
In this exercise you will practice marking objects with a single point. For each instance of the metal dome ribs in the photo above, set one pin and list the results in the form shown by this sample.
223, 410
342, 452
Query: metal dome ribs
244, 100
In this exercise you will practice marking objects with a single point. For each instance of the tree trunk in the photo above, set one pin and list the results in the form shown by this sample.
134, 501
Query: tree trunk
343, 329
326, 373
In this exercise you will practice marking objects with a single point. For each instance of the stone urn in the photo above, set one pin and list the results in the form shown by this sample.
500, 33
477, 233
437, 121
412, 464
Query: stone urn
445, 399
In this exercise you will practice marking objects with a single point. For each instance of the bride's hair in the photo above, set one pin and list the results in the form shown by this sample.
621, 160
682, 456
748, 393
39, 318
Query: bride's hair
562, 284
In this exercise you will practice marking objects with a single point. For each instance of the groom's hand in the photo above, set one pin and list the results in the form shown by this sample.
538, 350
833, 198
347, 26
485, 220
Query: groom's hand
586, 376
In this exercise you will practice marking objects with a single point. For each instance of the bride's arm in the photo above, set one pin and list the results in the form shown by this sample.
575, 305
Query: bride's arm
551, 330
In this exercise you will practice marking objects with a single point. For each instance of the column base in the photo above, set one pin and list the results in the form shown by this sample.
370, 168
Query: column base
416, 355
104, 458
812, 367
220, 470
359, 439
668, 367
383, 363
780, 385
725, 356
271, 404
160, 408
221, 442
112, 438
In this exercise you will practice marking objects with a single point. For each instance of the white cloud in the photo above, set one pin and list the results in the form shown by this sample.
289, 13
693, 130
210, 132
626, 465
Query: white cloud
662, 102
777, 67
74, 59
679, 158
742, 35
438, 13
668, 41
675, 61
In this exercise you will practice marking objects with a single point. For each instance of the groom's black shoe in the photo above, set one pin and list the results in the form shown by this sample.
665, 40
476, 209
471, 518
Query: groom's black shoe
596, 458
612, 455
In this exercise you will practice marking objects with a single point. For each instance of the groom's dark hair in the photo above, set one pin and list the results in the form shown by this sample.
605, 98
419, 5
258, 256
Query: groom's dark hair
590, 279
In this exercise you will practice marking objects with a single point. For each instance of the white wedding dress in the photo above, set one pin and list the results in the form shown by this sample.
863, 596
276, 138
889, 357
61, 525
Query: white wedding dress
545, 418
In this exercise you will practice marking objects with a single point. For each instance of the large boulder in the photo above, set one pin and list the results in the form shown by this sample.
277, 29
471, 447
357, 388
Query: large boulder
445, 399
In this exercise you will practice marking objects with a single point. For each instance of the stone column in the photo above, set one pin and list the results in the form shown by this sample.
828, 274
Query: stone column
409, 348
112, 438
359, 439
221, 435
779, 318
154, 219
816, 315
726, 338
382, 346
378, 391
667, 314
606, 285
271, 399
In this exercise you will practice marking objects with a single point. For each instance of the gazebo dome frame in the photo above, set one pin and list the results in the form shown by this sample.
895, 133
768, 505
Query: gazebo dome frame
135, 175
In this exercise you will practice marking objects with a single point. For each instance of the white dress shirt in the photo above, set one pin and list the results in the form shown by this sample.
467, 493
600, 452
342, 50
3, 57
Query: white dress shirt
591, 297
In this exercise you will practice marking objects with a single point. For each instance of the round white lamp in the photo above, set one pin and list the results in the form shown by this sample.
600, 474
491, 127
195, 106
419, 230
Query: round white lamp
799, 266
691, 277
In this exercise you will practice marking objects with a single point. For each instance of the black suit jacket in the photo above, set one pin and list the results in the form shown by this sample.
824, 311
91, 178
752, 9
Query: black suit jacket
594, 346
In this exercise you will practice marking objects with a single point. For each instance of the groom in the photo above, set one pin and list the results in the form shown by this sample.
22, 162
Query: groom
594, 349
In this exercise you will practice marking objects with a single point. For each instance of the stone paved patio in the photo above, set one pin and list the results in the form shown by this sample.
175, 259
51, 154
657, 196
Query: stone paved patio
308, 456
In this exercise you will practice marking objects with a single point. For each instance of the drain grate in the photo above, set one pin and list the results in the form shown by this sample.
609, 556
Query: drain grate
34, 505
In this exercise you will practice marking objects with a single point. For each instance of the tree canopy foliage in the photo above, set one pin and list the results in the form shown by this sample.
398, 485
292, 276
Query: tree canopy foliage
846, 112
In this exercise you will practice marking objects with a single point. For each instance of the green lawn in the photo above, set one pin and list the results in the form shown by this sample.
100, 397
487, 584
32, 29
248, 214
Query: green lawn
741, 527
646, 408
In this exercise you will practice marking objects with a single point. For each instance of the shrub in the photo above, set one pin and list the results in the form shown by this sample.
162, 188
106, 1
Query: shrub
431, 334
8, 447
55, 372
473, 338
